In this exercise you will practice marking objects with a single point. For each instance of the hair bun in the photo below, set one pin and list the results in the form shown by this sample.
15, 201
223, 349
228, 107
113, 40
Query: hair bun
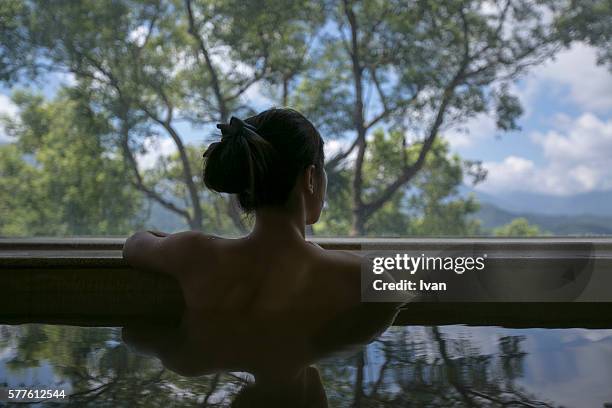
260, 158
240, 161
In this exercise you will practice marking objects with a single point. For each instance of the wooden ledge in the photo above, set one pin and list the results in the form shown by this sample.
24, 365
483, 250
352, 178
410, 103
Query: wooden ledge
84, 281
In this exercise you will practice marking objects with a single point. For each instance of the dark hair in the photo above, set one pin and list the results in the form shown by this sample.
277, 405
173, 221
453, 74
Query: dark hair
261, 157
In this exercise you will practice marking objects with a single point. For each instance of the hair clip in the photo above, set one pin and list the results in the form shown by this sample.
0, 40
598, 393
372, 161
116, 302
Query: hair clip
236, 127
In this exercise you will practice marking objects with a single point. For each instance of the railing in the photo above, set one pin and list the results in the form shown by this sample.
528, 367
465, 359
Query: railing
84, 281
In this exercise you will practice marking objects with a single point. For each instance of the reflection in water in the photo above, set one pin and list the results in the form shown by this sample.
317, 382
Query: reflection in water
277, 351
406, 366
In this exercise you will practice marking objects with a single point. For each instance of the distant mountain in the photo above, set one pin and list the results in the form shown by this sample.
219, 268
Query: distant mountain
593, 203
492, 216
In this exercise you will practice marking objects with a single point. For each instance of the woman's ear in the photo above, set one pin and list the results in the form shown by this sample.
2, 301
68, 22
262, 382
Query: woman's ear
310, 178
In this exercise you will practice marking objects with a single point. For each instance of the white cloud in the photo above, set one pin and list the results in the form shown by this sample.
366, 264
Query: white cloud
587, 137
577, 160
155, 150
509, 174
7, 108
575, 76
572, 76
473, 130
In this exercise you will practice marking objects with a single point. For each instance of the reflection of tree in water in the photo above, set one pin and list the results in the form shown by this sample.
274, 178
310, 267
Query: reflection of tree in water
102, 372
402, 368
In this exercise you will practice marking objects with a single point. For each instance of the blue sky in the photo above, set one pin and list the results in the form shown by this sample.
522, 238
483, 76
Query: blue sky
563, 148
565, 143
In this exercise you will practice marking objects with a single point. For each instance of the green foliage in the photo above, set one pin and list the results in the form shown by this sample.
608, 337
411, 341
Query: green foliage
589, 21
166, 174
430, 205
508, 110
519, 227
336, 217
60, 176
146, 65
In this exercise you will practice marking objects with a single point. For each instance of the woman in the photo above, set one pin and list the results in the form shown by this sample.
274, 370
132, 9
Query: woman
273, 162
270, 303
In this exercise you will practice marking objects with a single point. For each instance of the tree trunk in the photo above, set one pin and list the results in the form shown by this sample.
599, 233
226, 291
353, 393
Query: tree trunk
358, 221
359, 377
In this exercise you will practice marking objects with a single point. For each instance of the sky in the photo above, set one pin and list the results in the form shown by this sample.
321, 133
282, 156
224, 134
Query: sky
564, 146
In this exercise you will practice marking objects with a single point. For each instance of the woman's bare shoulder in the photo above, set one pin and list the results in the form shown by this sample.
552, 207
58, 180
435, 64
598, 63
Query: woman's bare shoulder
199, 245
166, 253
341, 261
193, 242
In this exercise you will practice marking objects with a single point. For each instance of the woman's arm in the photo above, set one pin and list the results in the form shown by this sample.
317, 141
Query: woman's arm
161, 252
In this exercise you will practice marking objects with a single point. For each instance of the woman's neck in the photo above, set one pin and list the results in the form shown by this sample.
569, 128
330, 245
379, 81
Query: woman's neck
279, 224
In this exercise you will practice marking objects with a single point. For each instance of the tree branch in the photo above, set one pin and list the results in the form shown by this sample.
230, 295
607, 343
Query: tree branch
387, 111
197, 218
257, 76
451, 369
139, 183
339, 157
409, 172
193, 31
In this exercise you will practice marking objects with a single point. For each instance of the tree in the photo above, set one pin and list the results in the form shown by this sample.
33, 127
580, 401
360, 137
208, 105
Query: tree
416, 67
518, 227
430, 368
97, 369
589, 21
152, 64
403, 367
432, 206
166, 175
427, 65
60, 177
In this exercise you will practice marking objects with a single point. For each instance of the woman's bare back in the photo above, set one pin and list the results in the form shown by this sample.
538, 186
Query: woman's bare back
260, 278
